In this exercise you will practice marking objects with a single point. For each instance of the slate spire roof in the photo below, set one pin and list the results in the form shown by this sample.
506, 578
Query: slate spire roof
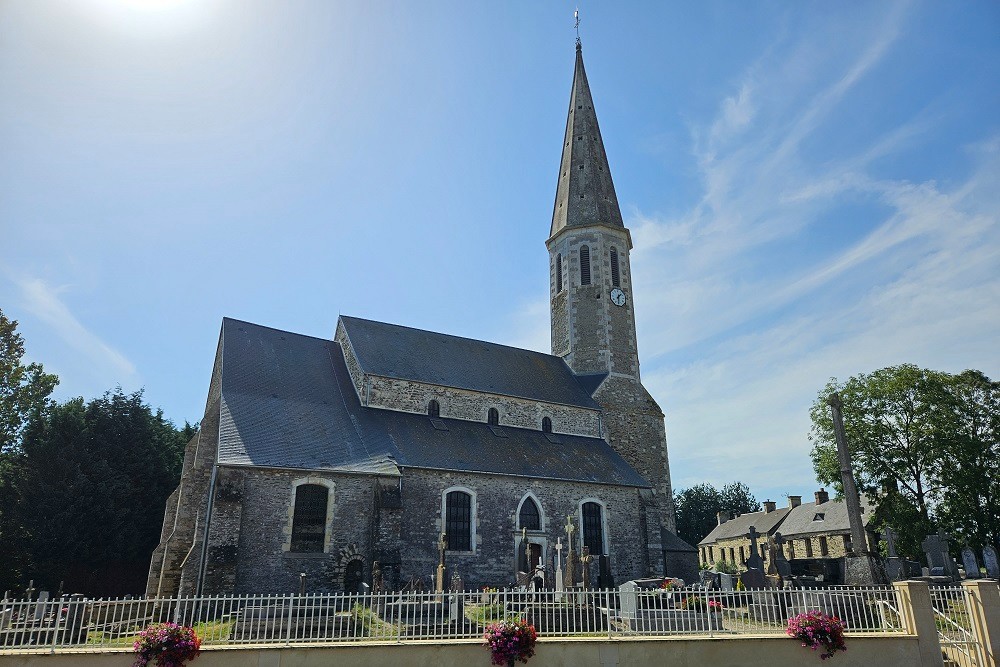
585, 194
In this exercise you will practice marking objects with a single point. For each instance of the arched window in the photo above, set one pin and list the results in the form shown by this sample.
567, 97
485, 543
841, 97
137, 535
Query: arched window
309, 518
615, 276
593, 528
458, 521
529, 517
558, 273
546, 425
493, 417
584, 265
433, 409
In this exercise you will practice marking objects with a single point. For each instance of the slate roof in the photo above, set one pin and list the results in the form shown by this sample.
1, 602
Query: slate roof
287, 401
802, 520
404, 353
763, 522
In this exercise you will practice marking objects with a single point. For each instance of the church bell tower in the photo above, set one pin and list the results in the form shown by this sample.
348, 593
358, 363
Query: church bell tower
591, 302
593, 324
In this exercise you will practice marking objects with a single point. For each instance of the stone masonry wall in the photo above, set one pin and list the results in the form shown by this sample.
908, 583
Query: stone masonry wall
493, 560
634, 424
407, 396
263, 563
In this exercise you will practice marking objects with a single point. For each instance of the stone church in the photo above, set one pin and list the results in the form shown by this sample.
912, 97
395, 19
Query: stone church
323, 456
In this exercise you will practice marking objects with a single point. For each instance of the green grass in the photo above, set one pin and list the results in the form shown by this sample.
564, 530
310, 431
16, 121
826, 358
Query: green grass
374, 627
488, 613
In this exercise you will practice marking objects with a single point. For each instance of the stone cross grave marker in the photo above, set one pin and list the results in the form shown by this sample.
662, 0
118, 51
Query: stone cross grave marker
522, 552
937, 546
991, 562
586, 559
754, 562
895, 568
781, 563
439, 579
570, 574
559, 570
970, 563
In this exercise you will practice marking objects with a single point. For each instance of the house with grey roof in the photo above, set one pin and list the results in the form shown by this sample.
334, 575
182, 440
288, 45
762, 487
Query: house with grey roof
354, 459
816, 535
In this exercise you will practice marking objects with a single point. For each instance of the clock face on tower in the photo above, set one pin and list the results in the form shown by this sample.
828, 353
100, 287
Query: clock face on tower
617, 297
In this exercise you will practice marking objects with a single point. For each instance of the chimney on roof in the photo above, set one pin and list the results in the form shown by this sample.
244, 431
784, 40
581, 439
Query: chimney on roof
794, 501
724, 516
769, 506
822, 497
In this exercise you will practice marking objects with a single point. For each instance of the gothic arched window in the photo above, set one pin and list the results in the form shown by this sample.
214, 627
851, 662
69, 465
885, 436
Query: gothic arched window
529, 517
558, 273
584, 265
493, 417
309, 518
593, 528
546, 425
433, 409
458, 521
615, 276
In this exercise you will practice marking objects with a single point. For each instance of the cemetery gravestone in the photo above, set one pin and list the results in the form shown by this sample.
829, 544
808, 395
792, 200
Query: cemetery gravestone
895, 568
604, 579
43, 598
970, 563
991, 562
783, 567
559, 570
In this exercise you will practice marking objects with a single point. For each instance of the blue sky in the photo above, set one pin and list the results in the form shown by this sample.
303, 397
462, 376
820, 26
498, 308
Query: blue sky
812, 190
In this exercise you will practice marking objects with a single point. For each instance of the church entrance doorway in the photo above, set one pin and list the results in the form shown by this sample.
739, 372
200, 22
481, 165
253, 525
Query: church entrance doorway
353, 577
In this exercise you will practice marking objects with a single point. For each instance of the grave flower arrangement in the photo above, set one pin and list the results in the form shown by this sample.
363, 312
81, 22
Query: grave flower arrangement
818, 631
166, 645
699, 603
510, 641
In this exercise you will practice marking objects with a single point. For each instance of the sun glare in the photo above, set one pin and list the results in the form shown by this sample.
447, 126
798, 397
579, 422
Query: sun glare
151, 15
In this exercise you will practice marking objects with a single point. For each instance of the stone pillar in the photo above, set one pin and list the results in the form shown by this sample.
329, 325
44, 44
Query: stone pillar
917, 615
984, 614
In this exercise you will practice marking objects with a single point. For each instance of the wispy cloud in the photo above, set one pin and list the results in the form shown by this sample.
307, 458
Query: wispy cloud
44, 302
743, 317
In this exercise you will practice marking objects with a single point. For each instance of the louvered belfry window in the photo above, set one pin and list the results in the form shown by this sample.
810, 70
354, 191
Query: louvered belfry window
434, 409
529, 516
615, 277
558, 273
493, 418
593, 530
546, 425
458, 522
584, 265
309, 518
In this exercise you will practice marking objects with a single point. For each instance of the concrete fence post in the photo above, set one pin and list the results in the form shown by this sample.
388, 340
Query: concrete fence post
917, 615
984, 613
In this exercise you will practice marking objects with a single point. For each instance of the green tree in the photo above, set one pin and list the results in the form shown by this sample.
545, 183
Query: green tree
96, 477
924, 447
24, 390
970, 473
697, 508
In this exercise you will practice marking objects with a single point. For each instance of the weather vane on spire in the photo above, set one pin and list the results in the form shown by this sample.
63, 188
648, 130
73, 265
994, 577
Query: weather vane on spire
576, 16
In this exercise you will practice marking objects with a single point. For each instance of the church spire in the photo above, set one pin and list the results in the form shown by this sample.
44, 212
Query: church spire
586, 194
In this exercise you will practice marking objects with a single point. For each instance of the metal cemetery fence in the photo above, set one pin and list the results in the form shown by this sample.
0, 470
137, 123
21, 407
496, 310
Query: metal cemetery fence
79, 623
954, 625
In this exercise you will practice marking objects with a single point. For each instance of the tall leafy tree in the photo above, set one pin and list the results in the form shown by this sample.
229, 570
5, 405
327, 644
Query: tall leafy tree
923, 445
96, 478
697, 508
24, 389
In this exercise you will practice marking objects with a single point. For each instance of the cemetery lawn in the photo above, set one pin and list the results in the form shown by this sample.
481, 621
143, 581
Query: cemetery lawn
211, 631
484, 614
373, 627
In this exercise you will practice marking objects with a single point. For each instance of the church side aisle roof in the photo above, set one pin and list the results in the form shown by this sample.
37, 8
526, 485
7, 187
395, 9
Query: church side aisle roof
404, 353
288, 402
